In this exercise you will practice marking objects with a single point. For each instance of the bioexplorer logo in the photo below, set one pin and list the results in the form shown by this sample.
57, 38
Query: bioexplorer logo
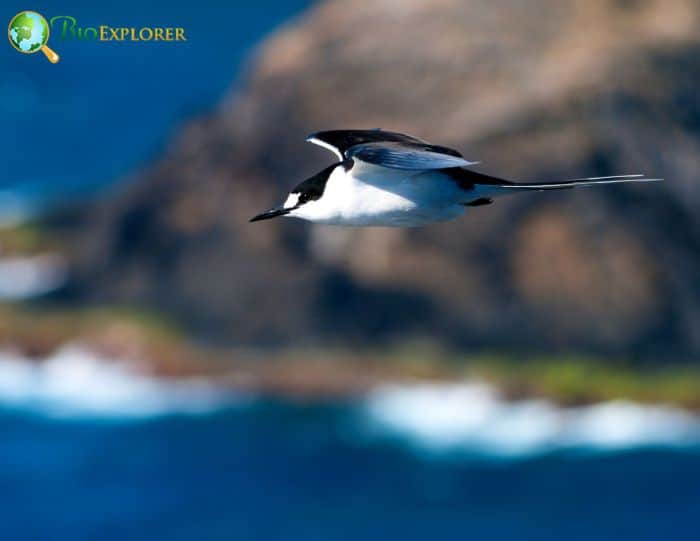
67, 27
29, 32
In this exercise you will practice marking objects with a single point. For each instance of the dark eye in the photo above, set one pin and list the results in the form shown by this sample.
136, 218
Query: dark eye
305, 197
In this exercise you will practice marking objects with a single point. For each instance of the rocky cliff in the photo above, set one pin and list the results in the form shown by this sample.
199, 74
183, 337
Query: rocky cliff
535, 90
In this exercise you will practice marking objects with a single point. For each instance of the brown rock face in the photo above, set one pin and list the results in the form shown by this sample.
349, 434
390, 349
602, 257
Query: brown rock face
535, 90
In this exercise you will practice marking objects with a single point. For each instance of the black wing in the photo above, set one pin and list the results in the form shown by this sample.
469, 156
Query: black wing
388, 149
339, 141
410, 156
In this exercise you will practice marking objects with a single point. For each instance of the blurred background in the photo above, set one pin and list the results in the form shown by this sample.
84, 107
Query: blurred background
531, 370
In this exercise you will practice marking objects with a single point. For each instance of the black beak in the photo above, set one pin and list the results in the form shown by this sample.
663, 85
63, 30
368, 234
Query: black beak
272, 213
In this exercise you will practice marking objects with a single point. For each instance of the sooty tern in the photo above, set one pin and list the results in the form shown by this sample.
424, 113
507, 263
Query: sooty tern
385, 178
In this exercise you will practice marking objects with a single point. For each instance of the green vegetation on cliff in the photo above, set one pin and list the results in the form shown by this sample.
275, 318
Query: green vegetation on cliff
160, 345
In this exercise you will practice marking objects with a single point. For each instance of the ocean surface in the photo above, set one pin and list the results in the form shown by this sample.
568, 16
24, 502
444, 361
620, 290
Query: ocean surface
92, 449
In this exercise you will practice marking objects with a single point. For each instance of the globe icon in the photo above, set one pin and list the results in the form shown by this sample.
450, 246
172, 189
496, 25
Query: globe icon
28, 33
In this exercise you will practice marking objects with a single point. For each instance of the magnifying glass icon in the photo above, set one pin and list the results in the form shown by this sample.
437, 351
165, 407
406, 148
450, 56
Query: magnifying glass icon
28, 32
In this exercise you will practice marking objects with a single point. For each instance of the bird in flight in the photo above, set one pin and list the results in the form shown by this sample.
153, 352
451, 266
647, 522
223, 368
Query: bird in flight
391, 179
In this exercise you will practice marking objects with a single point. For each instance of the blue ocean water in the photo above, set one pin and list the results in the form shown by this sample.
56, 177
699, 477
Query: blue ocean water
107, 108
279, 470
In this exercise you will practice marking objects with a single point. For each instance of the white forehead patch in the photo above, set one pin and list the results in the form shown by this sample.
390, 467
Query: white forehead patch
292, 200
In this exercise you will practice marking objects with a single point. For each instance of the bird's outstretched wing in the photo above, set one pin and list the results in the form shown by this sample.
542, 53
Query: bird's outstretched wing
411, 156
340, 141
388, 149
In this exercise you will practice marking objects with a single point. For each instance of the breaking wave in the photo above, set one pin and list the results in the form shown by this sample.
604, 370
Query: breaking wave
474, 418
468, 418
75, 382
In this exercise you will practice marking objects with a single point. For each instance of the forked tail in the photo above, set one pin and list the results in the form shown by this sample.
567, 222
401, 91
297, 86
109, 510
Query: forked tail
480, 188
573, 183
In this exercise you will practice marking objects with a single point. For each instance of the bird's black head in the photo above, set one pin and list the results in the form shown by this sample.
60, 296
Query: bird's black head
309, 190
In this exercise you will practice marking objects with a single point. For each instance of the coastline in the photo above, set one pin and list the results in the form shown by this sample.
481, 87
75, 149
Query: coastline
157, 347
438, 417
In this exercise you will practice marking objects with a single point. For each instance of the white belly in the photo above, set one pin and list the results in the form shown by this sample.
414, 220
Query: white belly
368, 196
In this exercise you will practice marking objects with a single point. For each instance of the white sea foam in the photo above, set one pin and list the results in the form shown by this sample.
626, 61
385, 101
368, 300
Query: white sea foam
74, 382
23, 277
473, 417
